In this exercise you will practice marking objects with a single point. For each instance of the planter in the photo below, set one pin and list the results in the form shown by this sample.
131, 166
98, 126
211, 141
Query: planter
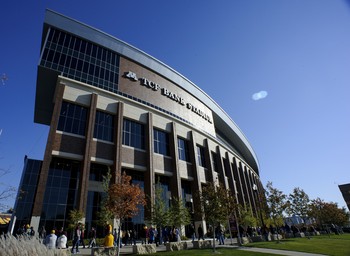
202, 244
256, 239
144, 249
176, 246
101, 251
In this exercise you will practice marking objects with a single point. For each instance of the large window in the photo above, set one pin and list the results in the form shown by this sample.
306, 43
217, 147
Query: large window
81, 60
28, 187
214, 159
182, 146
72, 118
97, 172
60, 193
104, 126
161, 142
200, 156
133, 134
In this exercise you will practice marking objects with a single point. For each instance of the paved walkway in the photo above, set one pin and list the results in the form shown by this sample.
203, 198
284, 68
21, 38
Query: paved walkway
127, 250
280, 252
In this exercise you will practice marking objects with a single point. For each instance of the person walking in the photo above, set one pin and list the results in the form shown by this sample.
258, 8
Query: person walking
192, 232
82, 236
76, 239
133, 236
92, 236
200, 232
221, 235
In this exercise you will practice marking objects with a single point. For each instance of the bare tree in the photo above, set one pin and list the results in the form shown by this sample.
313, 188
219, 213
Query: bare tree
6, 191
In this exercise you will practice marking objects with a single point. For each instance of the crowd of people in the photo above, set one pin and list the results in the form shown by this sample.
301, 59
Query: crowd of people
57, 238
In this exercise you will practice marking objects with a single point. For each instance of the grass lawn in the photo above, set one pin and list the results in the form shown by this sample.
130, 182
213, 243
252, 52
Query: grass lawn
335, 245
209, 252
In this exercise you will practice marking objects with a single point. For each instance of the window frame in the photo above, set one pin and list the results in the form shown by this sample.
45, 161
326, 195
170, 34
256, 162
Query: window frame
161, 142
134, 134
183, 149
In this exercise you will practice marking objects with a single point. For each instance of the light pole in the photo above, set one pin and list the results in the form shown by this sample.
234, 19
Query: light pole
255, 189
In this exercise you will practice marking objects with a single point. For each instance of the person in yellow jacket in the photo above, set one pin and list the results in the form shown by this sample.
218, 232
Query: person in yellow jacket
109, 240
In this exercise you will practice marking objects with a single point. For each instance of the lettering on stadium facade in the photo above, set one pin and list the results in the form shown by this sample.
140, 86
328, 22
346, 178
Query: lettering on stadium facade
167, 93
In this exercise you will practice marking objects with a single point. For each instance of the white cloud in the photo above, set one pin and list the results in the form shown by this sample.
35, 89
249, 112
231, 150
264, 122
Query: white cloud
259, 95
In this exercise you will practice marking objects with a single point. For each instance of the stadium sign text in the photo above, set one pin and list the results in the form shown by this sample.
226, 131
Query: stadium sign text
167, 93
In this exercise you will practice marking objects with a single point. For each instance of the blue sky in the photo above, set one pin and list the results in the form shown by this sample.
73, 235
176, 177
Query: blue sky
280, 69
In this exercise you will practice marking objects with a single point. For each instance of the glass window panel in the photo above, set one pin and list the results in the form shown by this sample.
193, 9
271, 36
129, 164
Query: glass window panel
61, 38
67, 40
77, 44
83, 46
133, 134
71, 43
161, 142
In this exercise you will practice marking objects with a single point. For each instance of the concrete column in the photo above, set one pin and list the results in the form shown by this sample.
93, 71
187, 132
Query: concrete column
207, 156
229, 173
219, 161
237, 174
195, 184
175, 181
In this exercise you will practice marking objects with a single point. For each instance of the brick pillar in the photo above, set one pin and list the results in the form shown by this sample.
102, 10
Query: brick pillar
149, 174
44, 172
118, 120
85, 168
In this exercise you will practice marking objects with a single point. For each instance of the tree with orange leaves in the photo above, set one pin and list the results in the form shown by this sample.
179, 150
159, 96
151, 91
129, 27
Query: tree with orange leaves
123, 199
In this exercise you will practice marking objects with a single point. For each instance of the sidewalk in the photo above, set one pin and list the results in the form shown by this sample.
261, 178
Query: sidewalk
280, 252
127, 250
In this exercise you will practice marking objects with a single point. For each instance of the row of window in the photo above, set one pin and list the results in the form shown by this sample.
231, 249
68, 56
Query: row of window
81, 60
89, 63
73, 119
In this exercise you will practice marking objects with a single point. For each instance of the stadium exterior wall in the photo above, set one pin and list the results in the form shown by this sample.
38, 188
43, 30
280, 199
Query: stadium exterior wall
113, 107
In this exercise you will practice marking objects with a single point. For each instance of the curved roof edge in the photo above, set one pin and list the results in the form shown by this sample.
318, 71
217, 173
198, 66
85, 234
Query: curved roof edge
221, 118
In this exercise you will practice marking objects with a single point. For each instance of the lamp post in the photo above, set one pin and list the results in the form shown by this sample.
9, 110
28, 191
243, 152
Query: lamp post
255, 189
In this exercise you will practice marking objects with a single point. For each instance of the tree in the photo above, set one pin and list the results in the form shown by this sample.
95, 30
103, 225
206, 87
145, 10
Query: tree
217, 205
6, 192
245, 217
104, 214
123, 199
277, 203
75, 216
178, 213
328, 213
298, 203
159, 209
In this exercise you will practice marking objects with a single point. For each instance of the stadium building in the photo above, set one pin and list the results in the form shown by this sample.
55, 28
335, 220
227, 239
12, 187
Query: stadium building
110, 106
